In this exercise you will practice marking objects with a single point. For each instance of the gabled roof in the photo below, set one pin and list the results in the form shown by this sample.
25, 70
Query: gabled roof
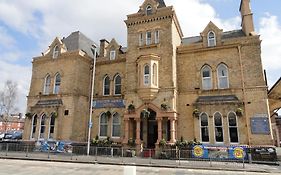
161, 3
275, 85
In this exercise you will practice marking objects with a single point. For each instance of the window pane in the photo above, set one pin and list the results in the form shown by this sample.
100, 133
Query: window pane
233, 135
106, 86
219, 134
205, 134
232, 121
148, 38
57, 84
112, 55
140, 39
204, 120
218, 120
148, 10
117, 85
146, 69
206, 73
103, 125
156, 36
207, 83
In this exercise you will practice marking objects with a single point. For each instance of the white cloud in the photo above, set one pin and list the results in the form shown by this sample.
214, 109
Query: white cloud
270, 31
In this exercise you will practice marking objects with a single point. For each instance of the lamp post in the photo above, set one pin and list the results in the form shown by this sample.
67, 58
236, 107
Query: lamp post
91, 102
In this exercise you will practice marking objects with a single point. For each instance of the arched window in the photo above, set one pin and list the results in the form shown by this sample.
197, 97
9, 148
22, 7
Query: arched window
47, 84
56, 52
52, 126
204, 124
117, 85
34, 123
103, 125
154, 74
223, 82
116, 125
218, 127
233, 129
211, 39
42, 126
106, 86
57, 83
146, 77
148, 10
206, 78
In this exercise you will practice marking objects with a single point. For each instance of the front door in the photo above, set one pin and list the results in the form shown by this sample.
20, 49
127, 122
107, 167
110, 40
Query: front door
152, 129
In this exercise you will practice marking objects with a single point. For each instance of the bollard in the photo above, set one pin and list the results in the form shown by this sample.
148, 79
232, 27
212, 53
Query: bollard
26, 153
130, 170
179, 157
48, 151
96, 152
149, 156
122, 152
210, 162
7, 149
243, 162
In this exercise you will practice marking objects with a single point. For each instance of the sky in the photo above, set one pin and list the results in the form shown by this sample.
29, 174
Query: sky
28, 27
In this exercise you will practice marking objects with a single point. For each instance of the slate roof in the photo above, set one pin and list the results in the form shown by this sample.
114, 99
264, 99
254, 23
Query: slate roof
225, 35
217, 99
161, 3
78, 41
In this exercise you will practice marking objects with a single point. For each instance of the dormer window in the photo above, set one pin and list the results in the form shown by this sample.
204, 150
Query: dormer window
56, 52
149, 10
112, 55
211, 39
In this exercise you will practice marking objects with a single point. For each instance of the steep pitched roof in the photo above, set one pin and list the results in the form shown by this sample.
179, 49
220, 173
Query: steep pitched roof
161, 3
78, 41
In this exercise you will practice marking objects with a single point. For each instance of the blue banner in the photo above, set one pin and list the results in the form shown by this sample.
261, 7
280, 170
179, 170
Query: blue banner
111, 103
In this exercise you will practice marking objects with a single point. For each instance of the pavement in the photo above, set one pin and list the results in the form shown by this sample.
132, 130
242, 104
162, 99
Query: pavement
143, 162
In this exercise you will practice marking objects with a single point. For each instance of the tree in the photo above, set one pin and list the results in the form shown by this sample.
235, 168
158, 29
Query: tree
8, 97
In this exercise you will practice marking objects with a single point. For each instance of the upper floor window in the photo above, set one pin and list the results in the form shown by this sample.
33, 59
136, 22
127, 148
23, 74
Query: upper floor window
117, 85
154, 74
112, 55
56, 52
223, 77
116, 125
47, 85
211, 39
103, 125
206, 78
57, 84
148, 38
106, 86
218, 127
232, 126
204, 125
140, 39
148, 10
146, 78
156, 36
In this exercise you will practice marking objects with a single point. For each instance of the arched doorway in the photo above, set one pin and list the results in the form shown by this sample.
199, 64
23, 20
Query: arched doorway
149, 128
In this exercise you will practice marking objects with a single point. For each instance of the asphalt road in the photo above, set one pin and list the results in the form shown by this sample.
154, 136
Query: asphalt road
25, 167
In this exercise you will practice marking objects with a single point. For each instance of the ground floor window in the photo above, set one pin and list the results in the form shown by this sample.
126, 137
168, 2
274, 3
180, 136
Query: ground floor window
233, 130
103, 125
204, 127
218, 127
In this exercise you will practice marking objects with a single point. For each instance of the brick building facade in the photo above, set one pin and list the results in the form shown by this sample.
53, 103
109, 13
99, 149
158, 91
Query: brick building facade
163, 85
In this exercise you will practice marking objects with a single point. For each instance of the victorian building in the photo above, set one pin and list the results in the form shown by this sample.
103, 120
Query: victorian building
163, 85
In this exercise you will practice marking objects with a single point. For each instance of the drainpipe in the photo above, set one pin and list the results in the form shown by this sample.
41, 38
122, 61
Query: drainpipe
244, 94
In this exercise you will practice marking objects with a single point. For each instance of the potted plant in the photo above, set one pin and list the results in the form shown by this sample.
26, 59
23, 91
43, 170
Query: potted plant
131, 108
145, 113
55, 114
162, 143
108, 114
164, 107
196, 112
28, 115
239, 112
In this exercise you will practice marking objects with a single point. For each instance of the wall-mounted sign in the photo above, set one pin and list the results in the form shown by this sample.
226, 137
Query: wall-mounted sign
260, 125
115, 103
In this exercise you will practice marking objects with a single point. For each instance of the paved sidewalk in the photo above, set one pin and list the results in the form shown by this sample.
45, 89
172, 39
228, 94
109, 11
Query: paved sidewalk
144, 162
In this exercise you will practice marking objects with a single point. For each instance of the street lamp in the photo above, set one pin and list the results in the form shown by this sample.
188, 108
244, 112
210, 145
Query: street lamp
90, 124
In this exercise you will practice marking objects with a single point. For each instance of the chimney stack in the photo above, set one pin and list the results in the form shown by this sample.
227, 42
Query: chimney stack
103, 44
247, 17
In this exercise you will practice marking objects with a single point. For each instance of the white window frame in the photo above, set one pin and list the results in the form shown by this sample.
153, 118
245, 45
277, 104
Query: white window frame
211, 39
221, 117
207, 79
47, 85
115, 84
231, 112
116, 124
148, 40
112, 55
32, 127
41, 137
56, 52
56, 89
157, 36
104, 124
223, 77
106, 85
200, 126
49, 130
146, 77
141, 39
148, 10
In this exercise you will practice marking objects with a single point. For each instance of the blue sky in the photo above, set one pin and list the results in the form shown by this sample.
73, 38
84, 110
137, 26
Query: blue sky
27, 28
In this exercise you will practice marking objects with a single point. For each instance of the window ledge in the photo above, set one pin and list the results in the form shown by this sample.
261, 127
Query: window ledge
148, 46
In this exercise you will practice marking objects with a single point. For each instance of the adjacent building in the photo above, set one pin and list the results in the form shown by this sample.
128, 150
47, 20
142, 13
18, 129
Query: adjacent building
162, 85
